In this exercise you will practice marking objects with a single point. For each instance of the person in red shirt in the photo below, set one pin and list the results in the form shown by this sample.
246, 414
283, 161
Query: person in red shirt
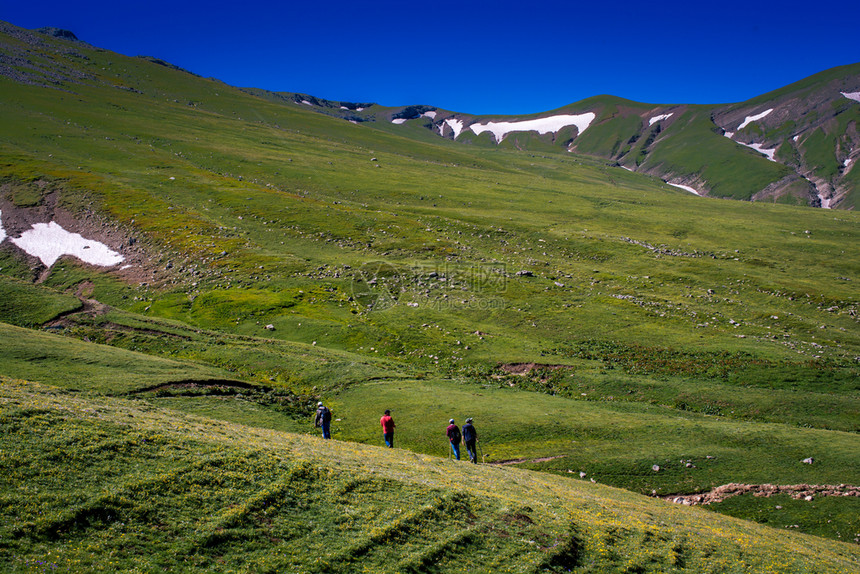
387, 429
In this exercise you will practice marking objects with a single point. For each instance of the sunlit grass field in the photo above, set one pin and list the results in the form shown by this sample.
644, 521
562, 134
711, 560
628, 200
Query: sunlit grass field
145, 489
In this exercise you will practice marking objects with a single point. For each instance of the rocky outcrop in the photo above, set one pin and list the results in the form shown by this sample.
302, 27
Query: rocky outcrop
58, 33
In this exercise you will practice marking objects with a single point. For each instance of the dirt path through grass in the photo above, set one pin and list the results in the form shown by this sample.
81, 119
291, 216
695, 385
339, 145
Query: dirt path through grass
522, 460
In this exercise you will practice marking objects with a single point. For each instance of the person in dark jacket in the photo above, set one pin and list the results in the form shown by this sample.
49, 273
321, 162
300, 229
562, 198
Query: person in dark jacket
387, 429
470, 438
453, 432
323, 420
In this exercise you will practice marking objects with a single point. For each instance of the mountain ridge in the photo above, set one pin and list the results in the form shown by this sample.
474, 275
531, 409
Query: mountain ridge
809, 176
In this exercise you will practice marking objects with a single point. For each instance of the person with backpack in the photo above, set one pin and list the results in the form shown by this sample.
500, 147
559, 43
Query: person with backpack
470, 438
387, 428
323, 420
453, 432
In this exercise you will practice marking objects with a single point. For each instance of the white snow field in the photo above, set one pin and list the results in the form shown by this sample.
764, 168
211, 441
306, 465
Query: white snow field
2, 231
755, 118
49, 242
852, 96
659, 118
540, 125
398, 121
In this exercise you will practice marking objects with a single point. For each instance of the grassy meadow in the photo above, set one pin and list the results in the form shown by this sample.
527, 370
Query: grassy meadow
145, 489
156, 416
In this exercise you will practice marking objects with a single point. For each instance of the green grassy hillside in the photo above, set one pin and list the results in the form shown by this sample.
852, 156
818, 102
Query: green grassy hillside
148, 489
275, 256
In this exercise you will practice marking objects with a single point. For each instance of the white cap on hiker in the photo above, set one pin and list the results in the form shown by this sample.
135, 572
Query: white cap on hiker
451, 421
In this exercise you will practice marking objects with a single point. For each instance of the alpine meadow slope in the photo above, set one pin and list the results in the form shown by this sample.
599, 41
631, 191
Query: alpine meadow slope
619, 339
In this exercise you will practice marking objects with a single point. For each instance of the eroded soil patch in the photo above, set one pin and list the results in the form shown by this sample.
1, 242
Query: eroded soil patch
796, 491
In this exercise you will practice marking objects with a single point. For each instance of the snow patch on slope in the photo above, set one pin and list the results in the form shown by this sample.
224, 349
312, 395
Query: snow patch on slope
769, 153
659, 118
540, 125
684, 187
431, 114
2, 231
755, 118
49, 242
852, 96
454, 124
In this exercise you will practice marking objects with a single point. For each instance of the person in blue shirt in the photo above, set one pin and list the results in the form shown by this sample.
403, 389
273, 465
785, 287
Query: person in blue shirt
323, 420
470, 438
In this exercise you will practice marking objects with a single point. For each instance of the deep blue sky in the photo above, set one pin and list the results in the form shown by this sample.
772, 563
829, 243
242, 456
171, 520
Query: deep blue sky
481, 57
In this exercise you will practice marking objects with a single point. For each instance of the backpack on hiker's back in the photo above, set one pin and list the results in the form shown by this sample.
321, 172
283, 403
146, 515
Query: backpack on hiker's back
323, 416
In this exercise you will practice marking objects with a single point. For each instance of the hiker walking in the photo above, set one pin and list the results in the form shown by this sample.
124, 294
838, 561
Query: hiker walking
323, 420
453, 432
387, 428
470, 438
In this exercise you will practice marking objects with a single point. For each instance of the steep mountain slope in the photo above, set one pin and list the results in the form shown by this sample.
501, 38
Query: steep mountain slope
807, 131
810, 126
273, 256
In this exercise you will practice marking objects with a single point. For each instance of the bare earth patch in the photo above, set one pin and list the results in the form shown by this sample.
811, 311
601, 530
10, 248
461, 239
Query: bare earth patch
526, 368
136, 266
796, 491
